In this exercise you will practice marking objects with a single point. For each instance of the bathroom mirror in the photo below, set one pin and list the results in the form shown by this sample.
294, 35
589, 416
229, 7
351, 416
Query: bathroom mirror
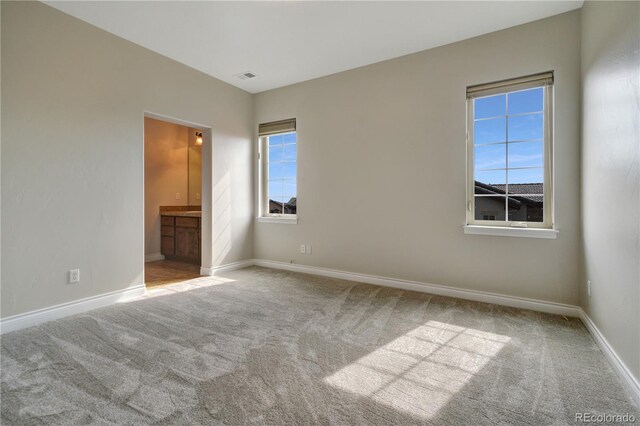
195, 167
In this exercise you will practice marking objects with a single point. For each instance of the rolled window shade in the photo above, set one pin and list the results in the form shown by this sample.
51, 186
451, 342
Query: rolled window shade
274, 127
535, 80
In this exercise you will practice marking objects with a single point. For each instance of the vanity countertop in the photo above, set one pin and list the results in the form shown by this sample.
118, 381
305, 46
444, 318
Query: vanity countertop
189, 213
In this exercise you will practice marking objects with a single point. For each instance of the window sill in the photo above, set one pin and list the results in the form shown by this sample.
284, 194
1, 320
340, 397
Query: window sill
278, 219
511, 232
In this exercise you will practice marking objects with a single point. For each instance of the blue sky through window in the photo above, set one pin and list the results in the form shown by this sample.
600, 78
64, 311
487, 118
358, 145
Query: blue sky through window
508, 137
282, 185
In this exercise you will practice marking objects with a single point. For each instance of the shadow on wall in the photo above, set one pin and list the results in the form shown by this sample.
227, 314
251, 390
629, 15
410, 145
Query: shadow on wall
222, 219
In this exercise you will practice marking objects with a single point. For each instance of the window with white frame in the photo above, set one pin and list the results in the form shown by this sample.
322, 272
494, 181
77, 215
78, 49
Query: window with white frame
278, 169
509, 153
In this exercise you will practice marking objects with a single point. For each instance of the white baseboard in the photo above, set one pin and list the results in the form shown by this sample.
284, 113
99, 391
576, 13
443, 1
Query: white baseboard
618, 365
478, 296
39, 316
153, 257
215, 270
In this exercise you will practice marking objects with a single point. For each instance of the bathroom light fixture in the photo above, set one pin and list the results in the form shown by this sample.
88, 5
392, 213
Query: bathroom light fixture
198, 138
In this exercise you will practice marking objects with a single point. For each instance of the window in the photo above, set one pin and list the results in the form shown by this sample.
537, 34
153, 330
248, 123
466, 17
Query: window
509, 153
278, 170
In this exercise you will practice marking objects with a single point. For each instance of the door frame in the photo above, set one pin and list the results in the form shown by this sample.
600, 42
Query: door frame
206, 221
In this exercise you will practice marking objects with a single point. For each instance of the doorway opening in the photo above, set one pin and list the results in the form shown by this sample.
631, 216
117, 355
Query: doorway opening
173, 201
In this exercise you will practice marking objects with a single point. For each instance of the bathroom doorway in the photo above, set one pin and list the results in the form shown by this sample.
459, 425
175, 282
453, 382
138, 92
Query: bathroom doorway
173, 214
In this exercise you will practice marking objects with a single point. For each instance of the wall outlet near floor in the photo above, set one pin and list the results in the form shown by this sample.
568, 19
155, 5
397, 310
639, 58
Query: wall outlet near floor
74, 276
305, 248
177, 195
589, 288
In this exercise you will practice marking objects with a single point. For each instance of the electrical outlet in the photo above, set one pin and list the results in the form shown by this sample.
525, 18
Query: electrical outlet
309, 249
74, 276
197, 196
303, 249
589, 288
177, 195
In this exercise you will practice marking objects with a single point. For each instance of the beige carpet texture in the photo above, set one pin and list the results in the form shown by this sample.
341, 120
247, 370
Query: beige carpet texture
261, 346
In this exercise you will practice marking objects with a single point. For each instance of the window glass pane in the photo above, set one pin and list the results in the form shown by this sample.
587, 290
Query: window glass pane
525, 127
488, 131
289, 170
492, 106
526, 101
526, 190
290, 207
289, 189
276, 188
508, 156
535, 212
290, 203
276, 205
528, 176
275, 171
275, 140
281, 187
525, 154
289, 152
490, 156
289, 138
532, 190
275, 153
490, 208
526, 209
490, 182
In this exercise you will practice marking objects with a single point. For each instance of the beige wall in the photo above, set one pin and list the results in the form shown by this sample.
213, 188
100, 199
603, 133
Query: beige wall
73, 99
611, 173
381, 167
166, 173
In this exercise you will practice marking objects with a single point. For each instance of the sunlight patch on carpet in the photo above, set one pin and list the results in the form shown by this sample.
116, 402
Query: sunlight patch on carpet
419, 372
187, 285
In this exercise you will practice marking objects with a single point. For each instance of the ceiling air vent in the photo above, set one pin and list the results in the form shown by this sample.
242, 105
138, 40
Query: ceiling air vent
246, 75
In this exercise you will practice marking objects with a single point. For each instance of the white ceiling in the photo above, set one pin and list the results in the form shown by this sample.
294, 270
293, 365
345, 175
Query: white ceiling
288, 42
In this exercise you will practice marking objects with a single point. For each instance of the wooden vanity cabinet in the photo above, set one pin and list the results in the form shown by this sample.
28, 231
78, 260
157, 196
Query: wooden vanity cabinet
181, 238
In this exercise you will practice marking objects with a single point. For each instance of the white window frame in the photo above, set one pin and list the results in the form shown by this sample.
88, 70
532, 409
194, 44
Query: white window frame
263, 183
507, 227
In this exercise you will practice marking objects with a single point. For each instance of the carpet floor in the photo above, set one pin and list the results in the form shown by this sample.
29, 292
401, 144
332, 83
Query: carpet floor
260, 346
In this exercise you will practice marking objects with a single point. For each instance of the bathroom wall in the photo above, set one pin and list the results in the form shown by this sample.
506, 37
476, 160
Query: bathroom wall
166, 177
195, 169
